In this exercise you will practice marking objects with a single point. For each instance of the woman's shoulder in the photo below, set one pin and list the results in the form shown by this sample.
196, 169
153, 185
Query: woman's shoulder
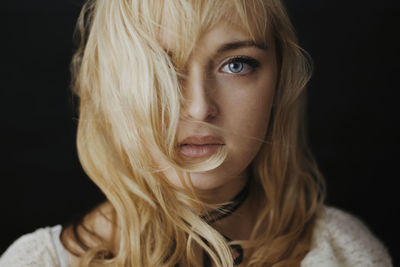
41, 248
341, 239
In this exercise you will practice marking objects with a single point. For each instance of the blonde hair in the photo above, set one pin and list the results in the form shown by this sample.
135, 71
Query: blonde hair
128, 87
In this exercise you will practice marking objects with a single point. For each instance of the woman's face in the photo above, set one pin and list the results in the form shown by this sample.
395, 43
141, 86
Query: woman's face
230, 83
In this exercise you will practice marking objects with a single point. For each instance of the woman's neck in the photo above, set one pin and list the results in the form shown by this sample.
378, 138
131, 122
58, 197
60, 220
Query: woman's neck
226, 192
239, 224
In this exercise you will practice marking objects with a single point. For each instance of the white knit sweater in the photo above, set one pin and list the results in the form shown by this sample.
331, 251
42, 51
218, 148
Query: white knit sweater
340, 240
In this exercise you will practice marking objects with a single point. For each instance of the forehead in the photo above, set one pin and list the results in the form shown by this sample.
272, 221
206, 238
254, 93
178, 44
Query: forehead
208, 40
224, 30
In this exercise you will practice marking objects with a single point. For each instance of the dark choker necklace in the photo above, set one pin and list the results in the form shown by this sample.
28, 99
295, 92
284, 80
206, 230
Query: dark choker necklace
227, 209
222, 212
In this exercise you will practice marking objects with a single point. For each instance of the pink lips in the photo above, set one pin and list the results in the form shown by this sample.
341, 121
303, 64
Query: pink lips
199, 146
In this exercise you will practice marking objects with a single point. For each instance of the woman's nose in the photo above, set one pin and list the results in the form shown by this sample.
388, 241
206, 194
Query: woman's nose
198, 92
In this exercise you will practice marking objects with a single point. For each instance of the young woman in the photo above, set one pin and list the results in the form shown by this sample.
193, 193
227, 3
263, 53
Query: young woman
191, 123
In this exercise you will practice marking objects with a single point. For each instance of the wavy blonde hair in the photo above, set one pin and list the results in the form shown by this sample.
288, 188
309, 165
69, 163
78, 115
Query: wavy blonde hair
128, 87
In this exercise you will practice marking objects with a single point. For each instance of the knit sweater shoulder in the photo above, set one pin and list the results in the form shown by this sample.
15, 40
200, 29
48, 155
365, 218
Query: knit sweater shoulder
339, 240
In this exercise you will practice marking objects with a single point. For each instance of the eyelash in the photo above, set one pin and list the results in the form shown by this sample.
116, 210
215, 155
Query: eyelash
251, 62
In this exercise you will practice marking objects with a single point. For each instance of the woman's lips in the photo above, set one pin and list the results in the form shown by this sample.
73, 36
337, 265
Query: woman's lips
200, 146
199, 151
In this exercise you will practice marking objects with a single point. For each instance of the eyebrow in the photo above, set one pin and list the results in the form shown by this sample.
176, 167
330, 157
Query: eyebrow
240, 44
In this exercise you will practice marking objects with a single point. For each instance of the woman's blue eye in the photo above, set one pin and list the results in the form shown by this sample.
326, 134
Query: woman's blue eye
236, 67
240, 65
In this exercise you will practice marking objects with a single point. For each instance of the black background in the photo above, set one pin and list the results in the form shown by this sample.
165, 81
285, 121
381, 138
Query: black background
353, 117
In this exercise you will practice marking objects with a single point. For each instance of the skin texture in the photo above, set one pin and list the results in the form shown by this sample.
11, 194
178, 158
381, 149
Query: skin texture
239, 103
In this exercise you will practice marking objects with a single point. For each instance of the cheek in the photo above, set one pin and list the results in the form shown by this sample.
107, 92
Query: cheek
247, 113
250, 127
247, 101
